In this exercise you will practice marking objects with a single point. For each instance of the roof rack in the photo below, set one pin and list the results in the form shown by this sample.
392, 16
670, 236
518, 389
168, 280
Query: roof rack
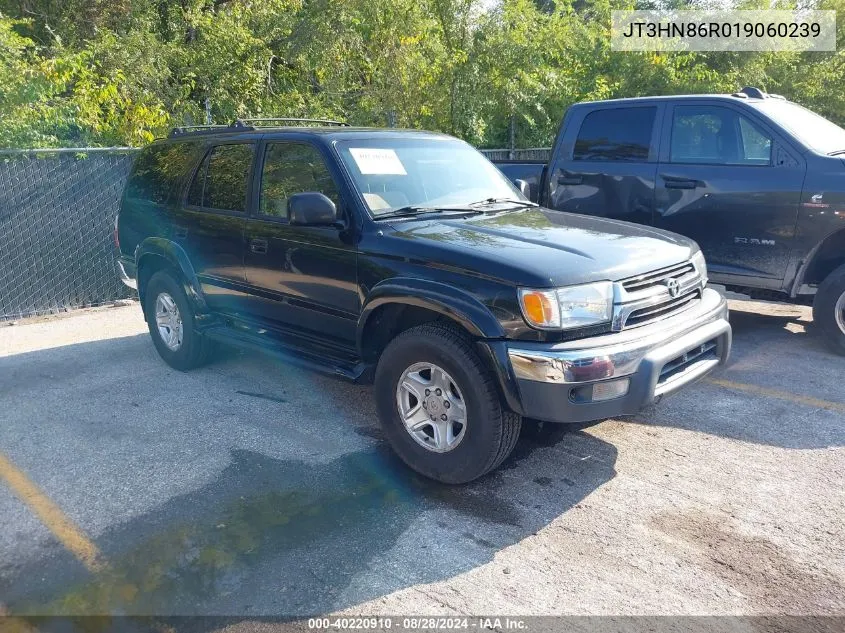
272, 120
195, 129
247, 125
749, 92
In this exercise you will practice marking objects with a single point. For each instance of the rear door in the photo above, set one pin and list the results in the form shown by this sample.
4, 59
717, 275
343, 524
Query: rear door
209, 225
606, 162
302, 279
729, 182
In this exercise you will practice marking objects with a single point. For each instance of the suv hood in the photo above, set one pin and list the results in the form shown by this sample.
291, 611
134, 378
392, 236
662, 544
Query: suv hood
540, 247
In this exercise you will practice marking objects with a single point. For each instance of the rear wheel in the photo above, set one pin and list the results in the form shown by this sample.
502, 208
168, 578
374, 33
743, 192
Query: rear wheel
171, 323
439, 406
829, 309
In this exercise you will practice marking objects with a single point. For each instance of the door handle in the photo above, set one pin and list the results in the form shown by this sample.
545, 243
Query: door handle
570, 179
180, 232
673, 182
258, 245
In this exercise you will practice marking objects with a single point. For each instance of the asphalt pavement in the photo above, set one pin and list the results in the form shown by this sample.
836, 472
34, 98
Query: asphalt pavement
250, 487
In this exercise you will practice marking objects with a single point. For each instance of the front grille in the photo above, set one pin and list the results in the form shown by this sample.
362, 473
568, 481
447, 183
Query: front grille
656, 295
657, 277
663, 309
705, 352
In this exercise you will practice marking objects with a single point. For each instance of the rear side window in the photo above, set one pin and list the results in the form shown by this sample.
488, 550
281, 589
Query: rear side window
221, 180
618, 134
160, 170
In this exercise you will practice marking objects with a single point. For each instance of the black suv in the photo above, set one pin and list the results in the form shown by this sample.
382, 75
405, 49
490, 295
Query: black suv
406, 257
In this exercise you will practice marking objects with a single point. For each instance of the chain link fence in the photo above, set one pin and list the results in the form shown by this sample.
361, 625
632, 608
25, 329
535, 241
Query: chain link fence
57, 210
532, 153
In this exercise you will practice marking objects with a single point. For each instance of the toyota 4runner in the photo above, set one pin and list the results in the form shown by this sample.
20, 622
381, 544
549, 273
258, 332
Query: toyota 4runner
406, 258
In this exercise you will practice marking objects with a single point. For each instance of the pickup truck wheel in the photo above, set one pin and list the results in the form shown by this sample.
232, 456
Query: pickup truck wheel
439, 407
829, 309
171, 323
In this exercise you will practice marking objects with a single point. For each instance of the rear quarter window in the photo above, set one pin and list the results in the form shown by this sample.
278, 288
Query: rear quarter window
159, 171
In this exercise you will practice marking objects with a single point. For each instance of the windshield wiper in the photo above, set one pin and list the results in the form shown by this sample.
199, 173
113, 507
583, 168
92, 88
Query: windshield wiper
407, 211
512, 201
412, 210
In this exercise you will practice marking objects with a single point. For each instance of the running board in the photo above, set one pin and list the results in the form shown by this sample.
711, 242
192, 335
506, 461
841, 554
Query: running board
345, 369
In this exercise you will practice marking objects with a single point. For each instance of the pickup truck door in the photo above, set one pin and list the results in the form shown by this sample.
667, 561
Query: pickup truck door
605, 161
729, 182
302, 279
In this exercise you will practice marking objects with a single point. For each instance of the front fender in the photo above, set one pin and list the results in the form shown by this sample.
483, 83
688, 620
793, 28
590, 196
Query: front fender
452, 302
178, 259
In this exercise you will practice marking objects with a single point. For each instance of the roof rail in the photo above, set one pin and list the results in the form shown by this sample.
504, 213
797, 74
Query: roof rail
246, 125
183, 130
753, 93
285, 120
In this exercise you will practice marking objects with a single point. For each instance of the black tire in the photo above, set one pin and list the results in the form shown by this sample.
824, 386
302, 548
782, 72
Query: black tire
194, 350
830, 293
491, 430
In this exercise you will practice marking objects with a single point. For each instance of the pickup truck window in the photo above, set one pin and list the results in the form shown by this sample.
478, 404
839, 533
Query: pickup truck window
813, 130
221, 180
394, 172
616, 134
291, 168
714, 135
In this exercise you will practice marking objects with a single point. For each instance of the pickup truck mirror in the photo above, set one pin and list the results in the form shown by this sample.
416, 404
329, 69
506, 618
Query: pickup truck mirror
524, 187
311, 208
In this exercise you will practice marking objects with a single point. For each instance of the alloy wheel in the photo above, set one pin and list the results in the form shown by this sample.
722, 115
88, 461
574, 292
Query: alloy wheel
839, 312
168, 321
432, 407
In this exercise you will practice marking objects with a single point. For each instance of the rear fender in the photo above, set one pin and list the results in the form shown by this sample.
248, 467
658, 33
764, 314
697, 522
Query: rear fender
177, 258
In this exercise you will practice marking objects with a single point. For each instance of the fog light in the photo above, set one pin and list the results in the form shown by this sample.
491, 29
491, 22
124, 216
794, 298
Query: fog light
600, 391
610, 389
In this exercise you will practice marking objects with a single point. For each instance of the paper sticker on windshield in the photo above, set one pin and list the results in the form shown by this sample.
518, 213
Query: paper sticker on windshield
377, 161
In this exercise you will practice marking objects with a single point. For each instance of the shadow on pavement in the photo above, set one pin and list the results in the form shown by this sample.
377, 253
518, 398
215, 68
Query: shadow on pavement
282, 534
783, 369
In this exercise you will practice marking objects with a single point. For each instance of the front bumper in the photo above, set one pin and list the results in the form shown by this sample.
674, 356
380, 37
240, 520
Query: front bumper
656, 359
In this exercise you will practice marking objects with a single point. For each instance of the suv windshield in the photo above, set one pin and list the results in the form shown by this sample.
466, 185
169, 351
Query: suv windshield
813, 130
422, 172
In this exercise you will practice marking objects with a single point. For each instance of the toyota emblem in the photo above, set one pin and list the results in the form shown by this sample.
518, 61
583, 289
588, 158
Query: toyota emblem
674, 287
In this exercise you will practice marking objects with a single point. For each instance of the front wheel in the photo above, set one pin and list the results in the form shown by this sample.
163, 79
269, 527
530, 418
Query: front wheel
439, 406
829, 309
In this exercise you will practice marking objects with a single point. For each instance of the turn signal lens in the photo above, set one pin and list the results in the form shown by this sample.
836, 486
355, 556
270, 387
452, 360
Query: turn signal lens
569, 307
700, 265
540, 307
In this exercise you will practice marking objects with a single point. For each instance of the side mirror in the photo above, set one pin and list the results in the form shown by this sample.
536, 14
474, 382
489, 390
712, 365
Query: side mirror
524, 187
311, 208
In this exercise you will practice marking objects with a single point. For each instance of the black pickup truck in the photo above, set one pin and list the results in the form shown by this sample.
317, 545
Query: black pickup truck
408, 258
757, 181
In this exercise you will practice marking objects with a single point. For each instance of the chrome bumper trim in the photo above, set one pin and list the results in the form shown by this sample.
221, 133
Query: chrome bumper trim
620, 354
125, 278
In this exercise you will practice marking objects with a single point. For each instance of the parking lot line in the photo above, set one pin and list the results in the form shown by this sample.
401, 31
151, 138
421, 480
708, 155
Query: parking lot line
775, 393
51, 515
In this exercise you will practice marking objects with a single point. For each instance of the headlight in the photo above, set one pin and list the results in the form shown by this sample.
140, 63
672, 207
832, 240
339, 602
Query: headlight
700, 266
566, 308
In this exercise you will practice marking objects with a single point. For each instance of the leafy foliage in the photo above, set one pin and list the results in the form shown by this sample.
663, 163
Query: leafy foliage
120, 72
